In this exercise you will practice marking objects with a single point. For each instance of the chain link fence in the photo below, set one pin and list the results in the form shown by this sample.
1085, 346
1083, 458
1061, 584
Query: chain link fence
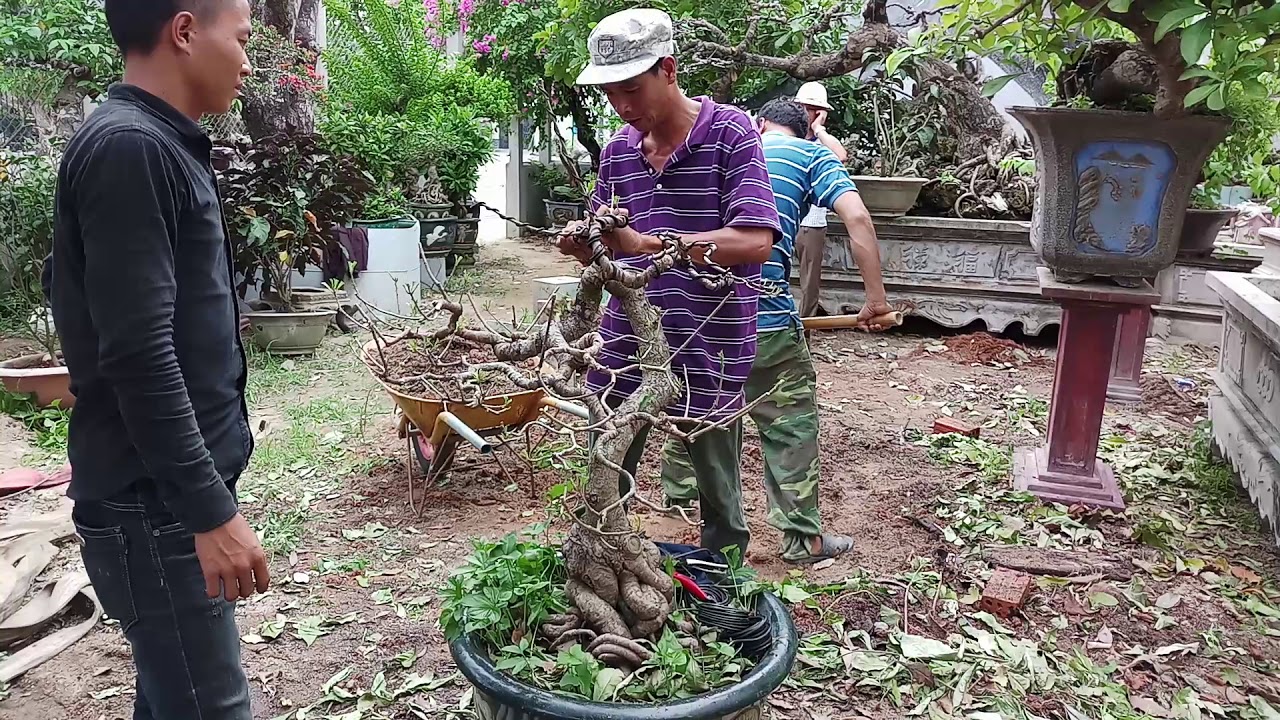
35, 108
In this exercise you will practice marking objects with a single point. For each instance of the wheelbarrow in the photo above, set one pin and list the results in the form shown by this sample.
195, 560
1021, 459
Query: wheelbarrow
433, 428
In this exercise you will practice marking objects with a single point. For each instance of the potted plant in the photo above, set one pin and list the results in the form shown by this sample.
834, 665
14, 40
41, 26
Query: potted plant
565, 198
1204, 219
1118, 162
434, 211
892, 185
26, 214
469, 148
603, 623
281, 196
1255, 123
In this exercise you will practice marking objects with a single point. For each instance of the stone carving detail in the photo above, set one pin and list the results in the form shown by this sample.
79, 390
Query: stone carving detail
1266, 383
1120, 188
1249, 455
1231, 356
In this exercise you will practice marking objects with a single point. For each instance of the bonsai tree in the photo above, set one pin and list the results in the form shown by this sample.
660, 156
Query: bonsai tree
1170, 56
610, 601
280, 197
26, 213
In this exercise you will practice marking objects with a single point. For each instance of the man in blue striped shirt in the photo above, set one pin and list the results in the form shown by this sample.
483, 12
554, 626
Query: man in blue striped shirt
803, 173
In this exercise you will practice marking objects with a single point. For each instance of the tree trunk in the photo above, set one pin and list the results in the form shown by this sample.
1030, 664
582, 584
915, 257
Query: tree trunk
276, 108
583, 123
979, 129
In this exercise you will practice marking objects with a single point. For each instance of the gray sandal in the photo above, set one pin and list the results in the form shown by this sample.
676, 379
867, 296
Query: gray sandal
833, 546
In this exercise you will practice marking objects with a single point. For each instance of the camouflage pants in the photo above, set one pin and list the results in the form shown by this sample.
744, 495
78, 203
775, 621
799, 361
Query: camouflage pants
788, 424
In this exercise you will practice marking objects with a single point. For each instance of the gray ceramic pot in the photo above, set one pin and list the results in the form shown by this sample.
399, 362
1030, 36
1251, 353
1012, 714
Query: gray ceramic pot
560, 214
889, 196
298, 333
1113, 188
1200, 229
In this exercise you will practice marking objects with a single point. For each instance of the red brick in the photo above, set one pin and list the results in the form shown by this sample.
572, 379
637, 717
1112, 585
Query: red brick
952, 425
1005, 592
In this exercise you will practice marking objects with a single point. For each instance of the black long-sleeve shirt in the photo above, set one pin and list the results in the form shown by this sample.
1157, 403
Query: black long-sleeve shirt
141, 288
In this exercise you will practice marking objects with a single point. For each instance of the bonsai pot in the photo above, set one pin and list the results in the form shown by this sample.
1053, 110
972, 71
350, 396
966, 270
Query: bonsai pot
889, 196
31, 375
1200, 229
1113, 188
468, 231
437, 226
289, 333
561, 213
498, 695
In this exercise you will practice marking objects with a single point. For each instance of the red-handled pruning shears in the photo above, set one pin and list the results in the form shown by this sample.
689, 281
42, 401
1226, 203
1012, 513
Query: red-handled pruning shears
691, 586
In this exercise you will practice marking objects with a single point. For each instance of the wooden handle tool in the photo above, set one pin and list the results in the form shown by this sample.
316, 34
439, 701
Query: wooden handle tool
840, 322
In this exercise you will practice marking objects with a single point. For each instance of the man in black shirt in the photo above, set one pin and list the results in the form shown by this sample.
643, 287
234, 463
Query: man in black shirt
141, 287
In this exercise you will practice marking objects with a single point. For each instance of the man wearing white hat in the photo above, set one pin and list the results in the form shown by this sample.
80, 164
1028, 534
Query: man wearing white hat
812, 237
694, 168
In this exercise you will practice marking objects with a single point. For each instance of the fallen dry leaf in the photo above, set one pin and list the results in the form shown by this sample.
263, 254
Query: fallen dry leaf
1246, 575
1136, 681
1150, 707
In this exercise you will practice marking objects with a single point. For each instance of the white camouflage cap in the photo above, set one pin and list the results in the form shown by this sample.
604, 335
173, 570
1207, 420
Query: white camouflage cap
626, 44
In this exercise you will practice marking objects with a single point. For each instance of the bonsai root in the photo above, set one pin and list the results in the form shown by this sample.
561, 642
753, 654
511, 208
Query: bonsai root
613, 650
557, 625
568, 639
618, 589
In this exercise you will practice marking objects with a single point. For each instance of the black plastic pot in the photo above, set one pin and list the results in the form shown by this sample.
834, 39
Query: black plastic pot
498, 696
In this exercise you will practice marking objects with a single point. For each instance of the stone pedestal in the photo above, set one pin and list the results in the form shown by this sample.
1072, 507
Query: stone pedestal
1125, 383
1067, 469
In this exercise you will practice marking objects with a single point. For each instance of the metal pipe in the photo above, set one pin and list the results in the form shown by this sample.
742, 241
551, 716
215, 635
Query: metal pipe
446, 421
566, 406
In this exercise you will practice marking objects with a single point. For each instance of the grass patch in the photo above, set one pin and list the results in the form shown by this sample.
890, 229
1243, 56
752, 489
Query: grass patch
272, 375
490, 277
302, 460
49, 424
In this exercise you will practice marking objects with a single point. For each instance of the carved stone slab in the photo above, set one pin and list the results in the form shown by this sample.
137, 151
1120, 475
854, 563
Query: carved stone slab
1245, 405
958, 271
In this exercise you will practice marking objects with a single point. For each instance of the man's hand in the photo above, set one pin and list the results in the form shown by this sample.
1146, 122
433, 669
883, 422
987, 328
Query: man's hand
232, 560
568, 243
819, 124
873, 309
625, 239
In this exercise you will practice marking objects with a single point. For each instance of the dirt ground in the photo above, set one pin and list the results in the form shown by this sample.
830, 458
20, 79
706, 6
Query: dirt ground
356, 572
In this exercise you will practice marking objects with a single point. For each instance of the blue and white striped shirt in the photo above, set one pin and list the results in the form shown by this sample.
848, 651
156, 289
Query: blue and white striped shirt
803, 173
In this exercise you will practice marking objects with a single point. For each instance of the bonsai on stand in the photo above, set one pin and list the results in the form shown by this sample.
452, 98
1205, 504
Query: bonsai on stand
1116, 171
281, 196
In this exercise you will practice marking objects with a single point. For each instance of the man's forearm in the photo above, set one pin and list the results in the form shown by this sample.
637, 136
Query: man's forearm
833, 144
865, 248
735, 245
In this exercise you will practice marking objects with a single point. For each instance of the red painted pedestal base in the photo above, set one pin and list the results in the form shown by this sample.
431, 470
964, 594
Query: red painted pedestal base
1125, 384
1067, 469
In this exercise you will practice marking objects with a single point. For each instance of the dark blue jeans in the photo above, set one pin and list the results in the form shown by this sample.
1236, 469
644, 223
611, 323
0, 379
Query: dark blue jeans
142, 563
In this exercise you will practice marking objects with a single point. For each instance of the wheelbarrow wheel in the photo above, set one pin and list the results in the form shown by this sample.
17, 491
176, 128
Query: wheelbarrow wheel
434, 463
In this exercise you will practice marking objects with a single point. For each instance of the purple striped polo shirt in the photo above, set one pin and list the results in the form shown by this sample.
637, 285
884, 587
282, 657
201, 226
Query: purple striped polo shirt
717, 179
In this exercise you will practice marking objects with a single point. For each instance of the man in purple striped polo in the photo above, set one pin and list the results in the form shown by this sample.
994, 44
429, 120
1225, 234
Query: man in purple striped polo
695, 168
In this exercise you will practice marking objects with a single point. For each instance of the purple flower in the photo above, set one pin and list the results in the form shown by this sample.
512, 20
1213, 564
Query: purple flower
506, 54
433, 9
466, 8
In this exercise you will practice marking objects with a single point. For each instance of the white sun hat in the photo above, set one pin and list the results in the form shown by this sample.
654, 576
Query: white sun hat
626, 44
814, 95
